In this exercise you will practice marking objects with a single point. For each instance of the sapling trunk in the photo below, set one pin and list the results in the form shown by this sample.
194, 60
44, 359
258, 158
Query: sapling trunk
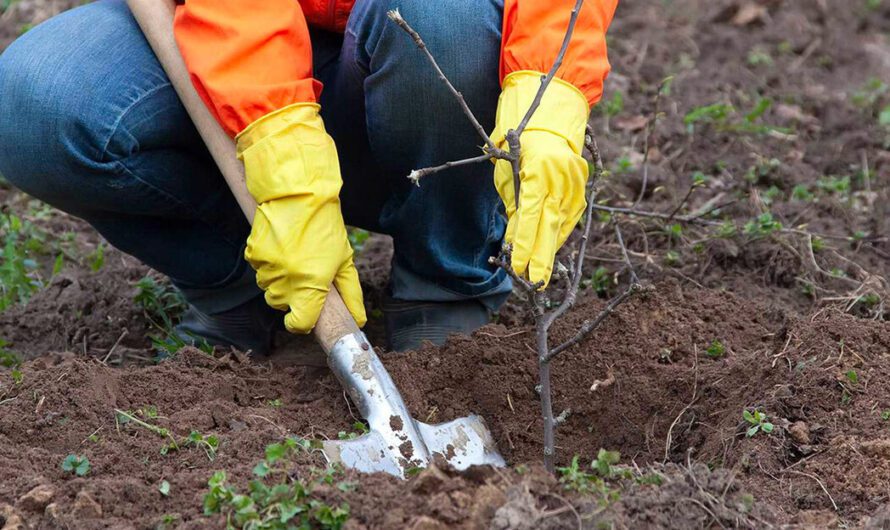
546, 394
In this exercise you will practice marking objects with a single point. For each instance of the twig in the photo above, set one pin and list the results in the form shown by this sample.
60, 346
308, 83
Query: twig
577, 273
818, 481
418, 174
633, 274
590, 325
669, 439
650, 129
115, 345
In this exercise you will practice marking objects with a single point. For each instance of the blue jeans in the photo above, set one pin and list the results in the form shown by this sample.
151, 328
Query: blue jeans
90, 124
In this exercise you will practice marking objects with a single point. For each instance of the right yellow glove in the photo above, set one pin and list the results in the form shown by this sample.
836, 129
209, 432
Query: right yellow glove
298, 244
552, 172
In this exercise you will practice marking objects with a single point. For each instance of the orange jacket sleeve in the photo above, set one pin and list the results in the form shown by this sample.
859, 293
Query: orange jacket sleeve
246, 59
534, 31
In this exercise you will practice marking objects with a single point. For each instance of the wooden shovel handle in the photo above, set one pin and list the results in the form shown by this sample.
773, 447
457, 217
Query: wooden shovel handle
155, 17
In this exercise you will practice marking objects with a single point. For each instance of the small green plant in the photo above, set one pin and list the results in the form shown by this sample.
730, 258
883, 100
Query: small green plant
19, 274
758, 422
759, 56
76, 465
274, 403
727, 230
277, 498
801, 192
716, 349
358, 429
600, 281
161, 302
674, 231
209, 443
167, 520
172, 343
97, 258
763, 170
671, 258
852, 376
604, 467
885, 415
762, 226
623, 166
870, 94
717, 113
612, 106
357, 238
835, 185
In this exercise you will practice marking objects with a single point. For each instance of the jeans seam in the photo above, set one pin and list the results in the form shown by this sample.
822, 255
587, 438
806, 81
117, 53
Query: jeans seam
120, 118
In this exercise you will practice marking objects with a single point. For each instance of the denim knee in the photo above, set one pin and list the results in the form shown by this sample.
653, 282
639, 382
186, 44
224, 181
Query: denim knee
72, 101
463, 36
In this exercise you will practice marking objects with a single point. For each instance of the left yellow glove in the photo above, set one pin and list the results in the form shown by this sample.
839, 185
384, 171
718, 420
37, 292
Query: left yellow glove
552, 175
298, 244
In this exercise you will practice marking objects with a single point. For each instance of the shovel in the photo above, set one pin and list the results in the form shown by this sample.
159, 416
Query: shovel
396, 442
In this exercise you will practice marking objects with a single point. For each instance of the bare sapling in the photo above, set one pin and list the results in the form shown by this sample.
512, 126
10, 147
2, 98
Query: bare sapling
538, 300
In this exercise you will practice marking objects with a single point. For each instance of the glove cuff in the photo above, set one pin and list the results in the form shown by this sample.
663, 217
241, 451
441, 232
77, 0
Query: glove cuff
286, 152
564, 110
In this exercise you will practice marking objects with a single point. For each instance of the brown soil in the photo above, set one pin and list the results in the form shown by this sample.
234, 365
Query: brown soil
815, 362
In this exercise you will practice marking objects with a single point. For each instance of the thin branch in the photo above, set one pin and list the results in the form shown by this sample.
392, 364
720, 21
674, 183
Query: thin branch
590, 325
680, 206
696, 219
396, 17
577, 273
650, 129
634, 279
418, 174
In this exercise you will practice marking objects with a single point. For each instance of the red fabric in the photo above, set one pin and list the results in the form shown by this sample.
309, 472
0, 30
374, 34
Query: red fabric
248, 59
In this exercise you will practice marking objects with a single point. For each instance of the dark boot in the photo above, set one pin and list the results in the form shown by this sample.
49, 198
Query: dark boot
410, 323
247, 327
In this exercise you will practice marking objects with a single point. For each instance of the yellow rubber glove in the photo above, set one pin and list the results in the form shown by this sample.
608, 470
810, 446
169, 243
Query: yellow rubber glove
552, 175
298, 244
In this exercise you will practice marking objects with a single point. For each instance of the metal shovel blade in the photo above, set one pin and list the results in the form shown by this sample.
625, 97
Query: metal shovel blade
396, 442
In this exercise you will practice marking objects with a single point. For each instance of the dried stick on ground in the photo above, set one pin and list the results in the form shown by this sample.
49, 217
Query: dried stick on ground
535, 297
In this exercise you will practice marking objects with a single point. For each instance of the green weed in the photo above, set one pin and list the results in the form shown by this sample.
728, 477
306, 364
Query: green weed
19, 270
724, 118
209, 443
97, 258
162, 303
715, 350
758, 422
870, 93
277, 498
10, 359
761, 226
759, 56
601, 280
77, 465
357, 238
593, 480
358, 429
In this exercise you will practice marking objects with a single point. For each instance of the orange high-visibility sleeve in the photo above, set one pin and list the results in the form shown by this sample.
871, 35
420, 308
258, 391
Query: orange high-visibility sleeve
534, 31
246, 59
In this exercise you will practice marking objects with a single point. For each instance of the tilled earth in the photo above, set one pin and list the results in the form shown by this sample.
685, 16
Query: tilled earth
773, 107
